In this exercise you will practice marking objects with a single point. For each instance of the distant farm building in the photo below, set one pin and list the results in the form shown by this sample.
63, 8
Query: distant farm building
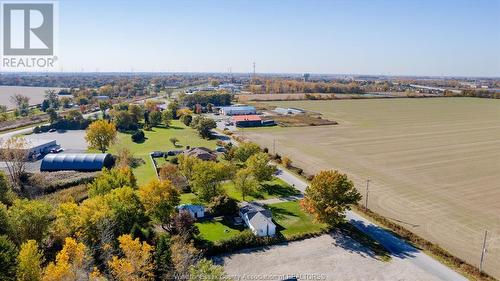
202, 153
76, 162
247, 120
288, 111
238, 110
36, 147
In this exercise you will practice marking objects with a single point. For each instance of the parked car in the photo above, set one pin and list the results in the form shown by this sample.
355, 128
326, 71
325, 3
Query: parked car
174, 152
157, 154
220, 149
57, 150
52, 130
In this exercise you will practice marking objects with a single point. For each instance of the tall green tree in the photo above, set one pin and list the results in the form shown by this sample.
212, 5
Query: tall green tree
204, 127
136, 112
112, 179
329, 195
29, 219
155, 118
163, 257
8, 262
4, 220
245, 182
245, 150
5, 189
166, 118
260, 167
207, 178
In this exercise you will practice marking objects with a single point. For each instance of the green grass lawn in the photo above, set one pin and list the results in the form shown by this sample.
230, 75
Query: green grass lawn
188, 198
216, 229
290, 219
274, 188
158, 140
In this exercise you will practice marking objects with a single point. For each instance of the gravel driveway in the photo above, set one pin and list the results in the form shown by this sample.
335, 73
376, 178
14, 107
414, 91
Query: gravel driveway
328, 257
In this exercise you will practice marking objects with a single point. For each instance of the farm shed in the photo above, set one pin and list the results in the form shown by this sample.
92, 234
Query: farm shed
196, 211
76, 162
238, 110
247, 120
34, 146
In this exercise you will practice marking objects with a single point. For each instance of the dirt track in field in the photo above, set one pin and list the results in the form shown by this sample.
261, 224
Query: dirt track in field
434, 164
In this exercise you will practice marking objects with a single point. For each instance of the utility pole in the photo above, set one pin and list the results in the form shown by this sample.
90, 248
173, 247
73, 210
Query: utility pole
483, 251
253, 70
366, 196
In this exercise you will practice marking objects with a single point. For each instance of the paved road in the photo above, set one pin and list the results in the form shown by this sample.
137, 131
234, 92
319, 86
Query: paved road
5, 136
396, 246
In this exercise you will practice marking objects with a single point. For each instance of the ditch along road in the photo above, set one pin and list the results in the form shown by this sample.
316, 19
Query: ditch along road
398, 248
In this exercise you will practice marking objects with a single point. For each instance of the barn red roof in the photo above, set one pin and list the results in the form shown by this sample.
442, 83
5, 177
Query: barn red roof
239, 118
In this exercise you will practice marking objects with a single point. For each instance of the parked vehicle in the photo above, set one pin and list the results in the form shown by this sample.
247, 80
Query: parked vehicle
157, 154
220, 149
57, 150
174, 152
52, 130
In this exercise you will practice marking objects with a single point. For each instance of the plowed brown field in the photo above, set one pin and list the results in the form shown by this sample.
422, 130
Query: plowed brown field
434, 164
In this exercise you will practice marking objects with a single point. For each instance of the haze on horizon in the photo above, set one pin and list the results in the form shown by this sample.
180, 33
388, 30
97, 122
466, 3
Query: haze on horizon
413, 37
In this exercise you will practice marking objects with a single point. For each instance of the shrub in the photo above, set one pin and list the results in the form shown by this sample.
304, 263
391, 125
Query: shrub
223, 205
138, 136
174, 160
287, 162
246, 239
37, 130
186, 119
48, 182
147, 127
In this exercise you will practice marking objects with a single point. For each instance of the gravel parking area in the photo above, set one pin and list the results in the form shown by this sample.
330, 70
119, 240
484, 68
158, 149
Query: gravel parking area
328, 257
73, 141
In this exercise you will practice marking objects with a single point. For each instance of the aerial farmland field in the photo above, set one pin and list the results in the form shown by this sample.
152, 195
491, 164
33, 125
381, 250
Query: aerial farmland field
434, 164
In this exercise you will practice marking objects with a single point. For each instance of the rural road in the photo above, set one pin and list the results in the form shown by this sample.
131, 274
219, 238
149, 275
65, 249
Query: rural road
8, 135
397, 247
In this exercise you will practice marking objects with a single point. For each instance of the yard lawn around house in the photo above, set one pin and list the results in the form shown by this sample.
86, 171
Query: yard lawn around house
291, 220
188, 198
216, 229
158, 140
274, 188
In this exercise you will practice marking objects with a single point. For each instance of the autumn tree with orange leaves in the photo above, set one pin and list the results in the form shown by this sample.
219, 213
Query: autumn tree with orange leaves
329, 196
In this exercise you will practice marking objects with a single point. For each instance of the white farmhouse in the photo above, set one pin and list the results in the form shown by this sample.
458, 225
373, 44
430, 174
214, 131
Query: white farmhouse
258, 219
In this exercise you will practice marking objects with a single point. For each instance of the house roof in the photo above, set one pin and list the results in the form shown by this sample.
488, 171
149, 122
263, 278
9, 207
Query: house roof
260, 219
191, 207
200, 152
251, 209
240, 118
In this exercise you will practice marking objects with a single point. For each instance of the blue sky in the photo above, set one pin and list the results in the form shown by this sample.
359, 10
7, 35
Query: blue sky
408, 37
